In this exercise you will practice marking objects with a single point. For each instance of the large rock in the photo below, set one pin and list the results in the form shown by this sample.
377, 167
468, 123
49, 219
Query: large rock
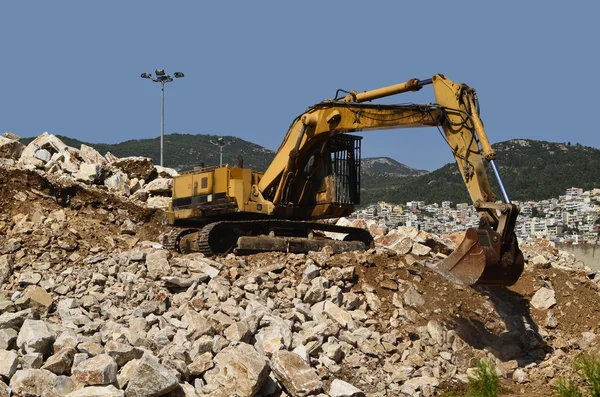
202, 363
239, 369
88, 173
339, 388
198, 325
436, 332
122, 353
339, 315
298, 378
35, 337
35, 297
99, 370
6, 267
413, 298
420, 382
150, 379
10, 148
8, 363
97, 391
420, 249
16, 320
135, 167
273, 338
35, 382
8, 337
395, 240
11, 136
118, 182
540, 262
543, 299
165, 172
158, 202
60, 362
59, 152
238, 332
158, 264
91, 156
159, 186
4, 390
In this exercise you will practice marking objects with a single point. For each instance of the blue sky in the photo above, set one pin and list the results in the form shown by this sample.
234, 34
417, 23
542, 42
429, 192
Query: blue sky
73, 67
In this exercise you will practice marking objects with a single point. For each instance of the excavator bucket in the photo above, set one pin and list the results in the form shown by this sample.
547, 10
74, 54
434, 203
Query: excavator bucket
483, 258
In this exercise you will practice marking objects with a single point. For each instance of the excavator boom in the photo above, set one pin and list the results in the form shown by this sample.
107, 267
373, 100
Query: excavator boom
488, 254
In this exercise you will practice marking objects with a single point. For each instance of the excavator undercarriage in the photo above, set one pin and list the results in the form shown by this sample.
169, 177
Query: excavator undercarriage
247, 237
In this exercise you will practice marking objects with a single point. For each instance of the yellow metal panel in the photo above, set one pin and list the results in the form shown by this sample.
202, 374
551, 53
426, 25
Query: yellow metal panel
221, 181
236, 173
182, 186
203, 183
236, 190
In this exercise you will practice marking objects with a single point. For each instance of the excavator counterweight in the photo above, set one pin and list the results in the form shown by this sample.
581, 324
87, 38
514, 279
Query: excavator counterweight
316, 175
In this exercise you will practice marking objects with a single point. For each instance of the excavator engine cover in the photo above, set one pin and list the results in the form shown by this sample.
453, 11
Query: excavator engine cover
483, 258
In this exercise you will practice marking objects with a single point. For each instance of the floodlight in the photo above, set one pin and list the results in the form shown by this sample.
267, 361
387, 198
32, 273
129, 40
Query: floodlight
162, 78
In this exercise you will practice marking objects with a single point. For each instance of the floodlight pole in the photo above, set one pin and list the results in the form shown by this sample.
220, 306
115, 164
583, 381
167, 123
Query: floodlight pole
162, 78
221, 144
162, 120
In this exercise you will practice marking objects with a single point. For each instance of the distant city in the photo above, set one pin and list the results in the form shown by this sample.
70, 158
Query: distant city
571, 218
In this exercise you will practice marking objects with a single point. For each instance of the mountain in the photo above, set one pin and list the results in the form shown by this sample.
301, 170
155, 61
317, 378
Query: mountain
531, 170
388, 166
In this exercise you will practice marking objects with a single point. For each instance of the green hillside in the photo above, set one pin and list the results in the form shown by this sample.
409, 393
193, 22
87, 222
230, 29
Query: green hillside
531, 170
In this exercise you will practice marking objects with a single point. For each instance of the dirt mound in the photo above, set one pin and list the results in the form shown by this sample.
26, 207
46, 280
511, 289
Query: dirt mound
95, 215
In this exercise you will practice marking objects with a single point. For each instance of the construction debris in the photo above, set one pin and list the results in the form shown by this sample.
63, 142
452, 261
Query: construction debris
92, 305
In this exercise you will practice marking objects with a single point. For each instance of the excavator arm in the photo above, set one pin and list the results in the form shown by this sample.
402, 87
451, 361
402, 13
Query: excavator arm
487, 255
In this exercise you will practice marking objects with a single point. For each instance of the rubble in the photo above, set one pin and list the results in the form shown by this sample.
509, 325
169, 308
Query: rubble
92, 305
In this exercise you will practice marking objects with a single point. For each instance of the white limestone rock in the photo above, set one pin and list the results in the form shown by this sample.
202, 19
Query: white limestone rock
10, 148
543, 299
159, 186
298, 378
150, 379
239, 369
98, 370
35, 337
339, 388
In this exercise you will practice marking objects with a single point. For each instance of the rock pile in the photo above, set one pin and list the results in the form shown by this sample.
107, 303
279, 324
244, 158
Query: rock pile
92, 305
129, 176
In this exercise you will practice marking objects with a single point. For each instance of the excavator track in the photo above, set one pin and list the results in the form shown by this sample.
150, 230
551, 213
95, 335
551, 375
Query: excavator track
171, 240
245, 237
203, 245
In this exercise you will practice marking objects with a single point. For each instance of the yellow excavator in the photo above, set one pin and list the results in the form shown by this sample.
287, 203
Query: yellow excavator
316, 175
